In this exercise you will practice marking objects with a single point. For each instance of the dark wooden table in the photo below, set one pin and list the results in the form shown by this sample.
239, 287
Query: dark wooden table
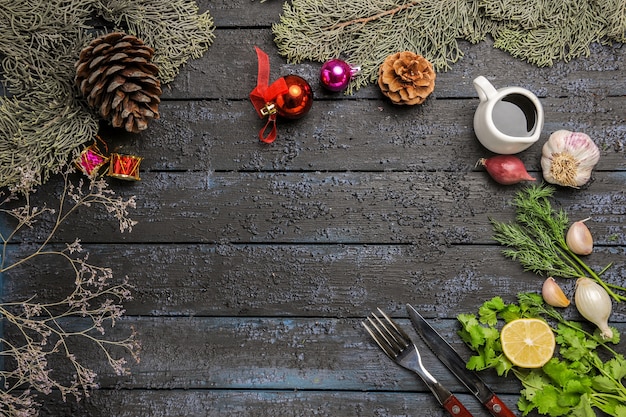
254, 264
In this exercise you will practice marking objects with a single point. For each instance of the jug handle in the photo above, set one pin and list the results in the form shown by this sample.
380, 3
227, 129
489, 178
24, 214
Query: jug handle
484, 88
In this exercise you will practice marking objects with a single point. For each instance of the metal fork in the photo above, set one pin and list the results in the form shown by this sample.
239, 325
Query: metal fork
400, 348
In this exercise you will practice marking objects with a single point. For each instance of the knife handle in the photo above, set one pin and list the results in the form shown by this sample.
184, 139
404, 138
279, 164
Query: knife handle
455, 407
497, 408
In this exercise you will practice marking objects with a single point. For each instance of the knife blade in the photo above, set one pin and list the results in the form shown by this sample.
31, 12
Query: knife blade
453, 361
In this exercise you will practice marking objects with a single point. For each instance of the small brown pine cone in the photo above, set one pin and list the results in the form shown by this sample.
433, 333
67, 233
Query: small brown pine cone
115, 75
406, 78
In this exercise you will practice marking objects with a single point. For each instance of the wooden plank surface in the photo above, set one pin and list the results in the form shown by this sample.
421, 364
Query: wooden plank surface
306, 280
254, 264
422, 208
357, 135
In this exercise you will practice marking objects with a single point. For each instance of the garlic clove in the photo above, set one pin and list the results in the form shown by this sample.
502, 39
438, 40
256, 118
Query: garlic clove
594, 304
579, 239
568, 158
553, 294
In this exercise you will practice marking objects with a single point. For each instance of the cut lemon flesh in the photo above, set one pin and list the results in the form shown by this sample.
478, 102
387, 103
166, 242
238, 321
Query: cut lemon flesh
527, 343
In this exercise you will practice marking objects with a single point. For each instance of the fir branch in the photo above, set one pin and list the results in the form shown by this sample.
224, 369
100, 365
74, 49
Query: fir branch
615, 14
562, 32
365, 32
42, 120
364, 20
173, 28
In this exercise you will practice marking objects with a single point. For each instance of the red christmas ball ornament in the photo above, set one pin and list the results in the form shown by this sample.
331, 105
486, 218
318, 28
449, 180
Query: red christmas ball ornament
297, 100
290, 97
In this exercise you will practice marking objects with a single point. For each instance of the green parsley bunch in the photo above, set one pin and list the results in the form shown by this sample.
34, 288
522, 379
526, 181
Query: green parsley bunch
586, 372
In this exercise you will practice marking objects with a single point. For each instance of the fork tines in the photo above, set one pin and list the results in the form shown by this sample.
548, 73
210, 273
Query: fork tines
387, 335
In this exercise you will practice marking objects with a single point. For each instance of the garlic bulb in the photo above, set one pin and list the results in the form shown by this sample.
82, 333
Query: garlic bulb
594, 304
567, 158
553, 294
579, 239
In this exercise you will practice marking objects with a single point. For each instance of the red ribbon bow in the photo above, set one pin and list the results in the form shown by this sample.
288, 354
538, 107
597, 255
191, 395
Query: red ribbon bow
263, 96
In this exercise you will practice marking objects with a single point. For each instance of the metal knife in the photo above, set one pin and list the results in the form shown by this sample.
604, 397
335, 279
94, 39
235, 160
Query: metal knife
449, 357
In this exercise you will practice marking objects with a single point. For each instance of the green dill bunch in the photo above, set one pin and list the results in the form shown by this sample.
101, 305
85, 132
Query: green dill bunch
537, 239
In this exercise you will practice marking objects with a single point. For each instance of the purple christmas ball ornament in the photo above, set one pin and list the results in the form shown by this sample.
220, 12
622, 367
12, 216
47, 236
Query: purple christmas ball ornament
336, 74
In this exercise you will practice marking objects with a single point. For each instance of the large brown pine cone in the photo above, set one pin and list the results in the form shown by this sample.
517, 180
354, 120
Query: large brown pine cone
406, 78
116, 76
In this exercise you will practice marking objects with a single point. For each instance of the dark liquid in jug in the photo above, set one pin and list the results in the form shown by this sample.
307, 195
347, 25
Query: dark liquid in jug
515, 115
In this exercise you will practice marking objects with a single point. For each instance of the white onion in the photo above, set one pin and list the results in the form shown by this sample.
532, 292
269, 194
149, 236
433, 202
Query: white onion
594, 304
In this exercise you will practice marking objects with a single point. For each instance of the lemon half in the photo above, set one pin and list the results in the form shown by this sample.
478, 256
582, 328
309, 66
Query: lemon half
528, 343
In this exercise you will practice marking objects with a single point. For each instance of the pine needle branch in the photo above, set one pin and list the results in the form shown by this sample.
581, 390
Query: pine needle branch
365, 32
364, 20
42, 120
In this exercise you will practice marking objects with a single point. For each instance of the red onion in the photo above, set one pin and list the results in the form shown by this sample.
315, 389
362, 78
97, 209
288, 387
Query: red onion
506, 169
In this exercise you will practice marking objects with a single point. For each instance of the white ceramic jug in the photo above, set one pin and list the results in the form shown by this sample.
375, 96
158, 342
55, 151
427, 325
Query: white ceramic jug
507, 120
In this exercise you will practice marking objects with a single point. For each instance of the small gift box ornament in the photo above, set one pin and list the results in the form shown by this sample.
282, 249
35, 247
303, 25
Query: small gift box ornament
125, 167
290, 97
91, 159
